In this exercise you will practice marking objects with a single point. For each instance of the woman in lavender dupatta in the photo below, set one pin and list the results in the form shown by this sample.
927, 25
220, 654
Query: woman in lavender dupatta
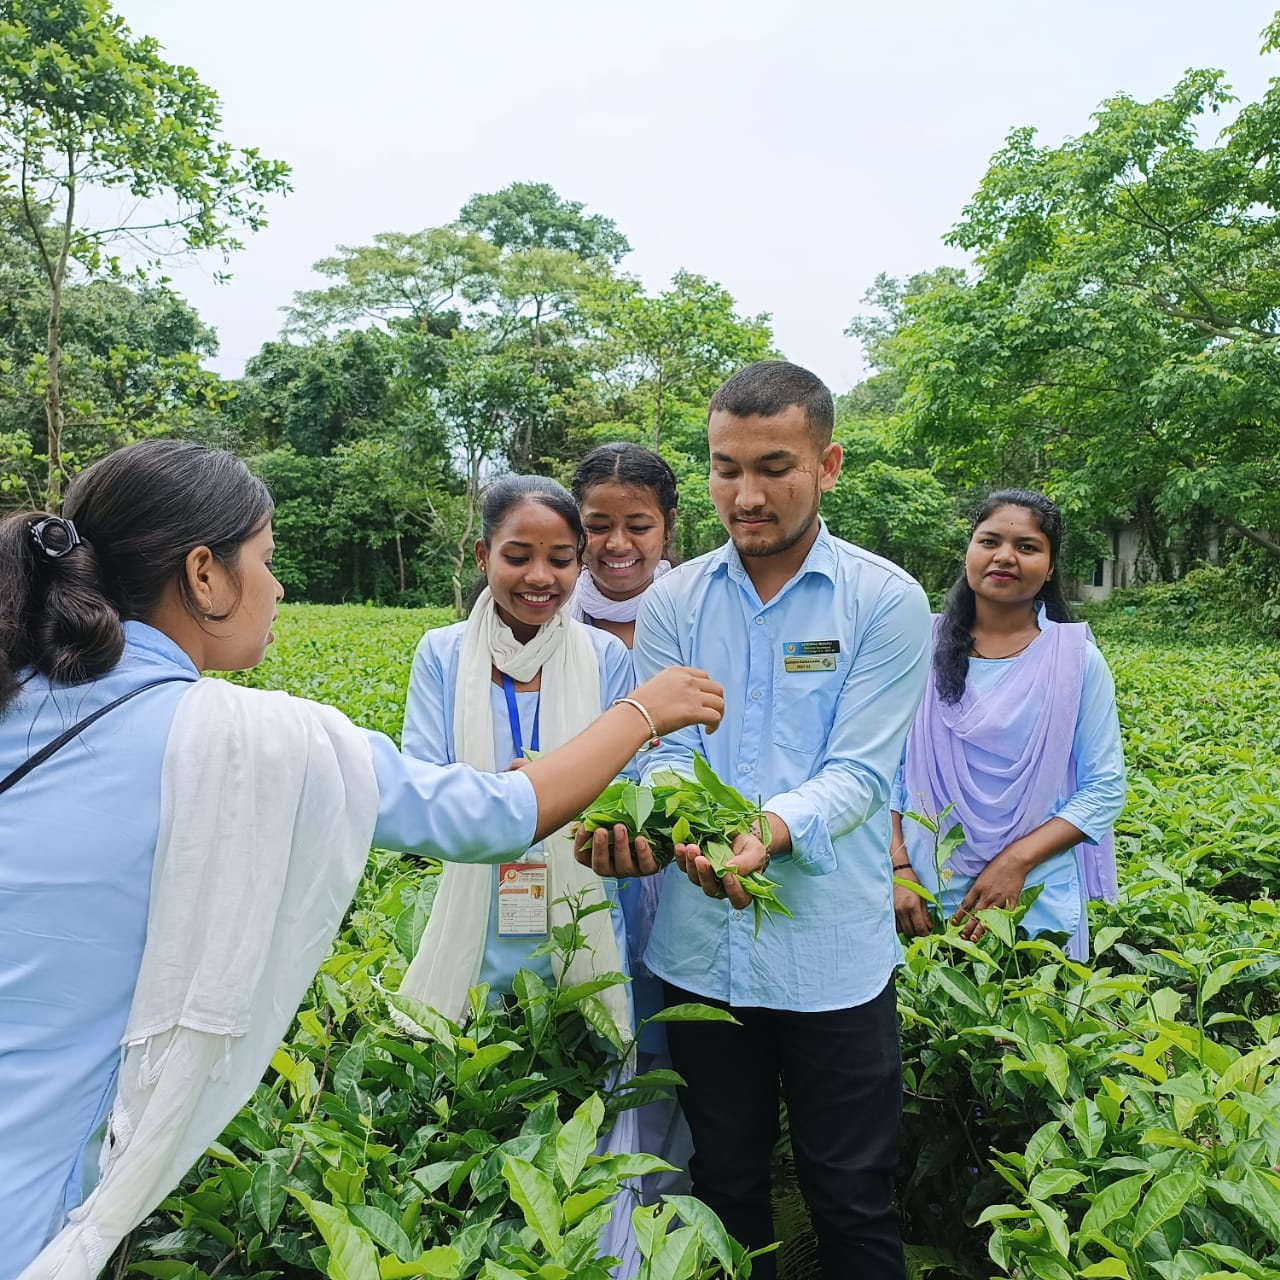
1018, 730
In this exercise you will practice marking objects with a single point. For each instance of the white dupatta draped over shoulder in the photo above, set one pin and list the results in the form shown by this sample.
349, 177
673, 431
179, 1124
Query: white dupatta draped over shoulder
268, 806
449, 957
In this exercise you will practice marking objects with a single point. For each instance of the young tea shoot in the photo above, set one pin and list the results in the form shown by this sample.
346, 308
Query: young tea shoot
701, 810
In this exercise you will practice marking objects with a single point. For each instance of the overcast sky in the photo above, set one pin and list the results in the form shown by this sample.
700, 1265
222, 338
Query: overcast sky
790, 151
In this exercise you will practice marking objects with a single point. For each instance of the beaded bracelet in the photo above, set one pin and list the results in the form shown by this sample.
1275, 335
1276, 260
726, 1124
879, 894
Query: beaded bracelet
654, 739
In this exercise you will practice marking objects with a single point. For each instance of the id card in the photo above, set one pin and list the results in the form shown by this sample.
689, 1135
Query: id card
810, 655
522, 900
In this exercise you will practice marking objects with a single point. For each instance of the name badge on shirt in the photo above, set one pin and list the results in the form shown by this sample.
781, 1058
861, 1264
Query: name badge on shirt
522, 899
809, 655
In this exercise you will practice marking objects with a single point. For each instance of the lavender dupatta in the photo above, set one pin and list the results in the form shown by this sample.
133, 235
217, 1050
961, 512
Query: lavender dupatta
1004, 756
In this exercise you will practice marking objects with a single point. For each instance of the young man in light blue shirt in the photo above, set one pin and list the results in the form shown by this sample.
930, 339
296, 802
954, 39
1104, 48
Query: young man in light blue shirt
823, 649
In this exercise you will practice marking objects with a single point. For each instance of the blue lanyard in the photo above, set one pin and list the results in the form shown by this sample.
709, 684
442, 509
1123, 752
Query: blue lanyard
513, 714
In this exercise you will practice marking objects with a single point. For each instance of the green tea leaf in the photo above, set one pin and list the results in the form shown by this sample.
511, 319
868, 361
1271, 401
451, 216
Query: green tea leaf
267, 1191
535, 1193
1112, 1203
577, 1140
1165, 1200
351, 1252
382, 1229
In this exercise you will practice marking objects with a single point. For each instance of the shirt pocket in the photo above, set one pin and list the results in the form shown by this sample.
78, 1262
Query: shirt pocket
804, 706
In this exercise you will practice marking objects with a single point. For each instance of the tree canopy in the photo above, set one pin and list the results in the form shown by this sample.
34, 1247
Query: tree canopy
1118, 342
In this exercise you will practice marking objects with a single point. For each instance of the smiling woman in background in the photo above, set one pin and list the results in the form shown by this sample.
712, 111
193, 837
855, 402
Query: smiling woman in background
628, 497
521, 673
1018, 730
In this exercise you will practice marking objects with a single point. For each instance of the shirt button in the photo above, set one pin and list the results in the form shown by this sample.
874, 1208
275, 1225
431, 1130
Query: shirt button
755, 693
760, 622
744, 768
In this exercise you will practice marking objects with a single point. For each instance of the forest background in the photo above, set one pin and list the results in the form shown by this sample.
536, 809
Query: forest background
1115, 342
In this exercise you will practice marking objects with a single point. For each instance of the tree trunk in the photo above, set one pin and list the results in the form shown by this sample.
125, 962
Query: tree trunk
400, 561
53, 412
473, 503
524, 450
1153, 536
1254, 536
56, 273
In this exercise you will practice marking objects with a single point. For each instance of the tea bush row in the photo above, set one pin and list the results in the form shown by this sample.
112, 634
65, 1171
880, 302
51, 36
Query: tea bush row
1113, 1119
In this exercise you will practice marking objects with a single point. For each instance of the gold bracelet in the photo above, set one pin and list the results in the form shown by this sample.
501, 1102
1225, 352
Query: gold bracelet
654, 739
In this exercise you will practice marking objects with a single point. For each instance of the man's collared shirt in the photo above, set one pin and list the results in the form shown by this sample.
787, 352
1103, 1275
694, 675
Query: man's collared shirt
821, 685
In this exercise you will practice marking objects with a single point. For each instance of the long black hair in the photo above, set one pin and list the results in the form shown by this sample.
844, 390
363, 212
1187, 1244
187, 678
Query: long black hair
634, 467
955, 632
138, 513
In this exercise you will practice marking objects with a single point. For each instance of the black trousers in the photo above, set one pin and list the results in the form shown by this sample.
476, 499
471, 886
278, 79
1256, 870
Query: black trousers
841, 1075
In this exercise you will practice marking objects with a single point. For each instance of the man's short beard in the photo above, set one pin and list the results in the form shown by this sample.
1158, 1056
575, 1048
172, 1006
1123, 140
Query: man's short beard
777, 548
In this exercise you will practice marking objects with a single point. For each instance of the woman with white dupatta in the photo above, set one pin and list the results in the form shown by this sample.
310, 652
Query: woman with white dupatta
176, 854
520, 674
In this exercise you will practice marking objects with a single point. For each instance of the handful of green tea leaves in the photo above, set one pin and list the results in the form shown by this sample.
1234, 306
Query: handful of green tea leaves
701, 810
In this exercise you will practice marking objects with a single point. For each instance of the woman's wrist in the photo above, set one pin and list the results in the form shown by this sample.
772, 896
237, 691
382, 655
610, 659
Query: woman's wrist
652, 738
1019, 857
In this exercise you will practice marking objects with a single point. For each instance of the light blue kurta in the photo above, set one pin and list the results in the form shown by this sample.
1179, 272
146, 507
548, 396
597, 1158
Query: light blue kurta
77, 841
819, 742
1093, 804
428, 735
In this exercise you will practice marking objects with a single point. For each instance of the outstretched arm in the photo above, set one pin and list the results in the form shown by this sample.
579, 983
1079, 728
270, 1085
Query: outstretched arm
455, 812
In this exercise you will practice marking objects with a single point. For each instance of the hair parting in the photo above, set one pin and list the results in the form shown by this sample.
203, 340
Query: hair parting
633, 467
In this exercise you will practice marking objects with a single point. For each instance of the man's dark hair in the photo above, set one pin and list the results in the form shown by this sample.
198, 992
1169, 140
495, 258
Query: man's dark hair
770, 386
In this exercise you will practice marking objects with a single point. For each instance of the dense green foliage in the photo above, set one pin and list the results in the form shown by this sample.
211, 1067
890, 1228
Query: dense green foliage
1117, 340
1115, 1118
86, 106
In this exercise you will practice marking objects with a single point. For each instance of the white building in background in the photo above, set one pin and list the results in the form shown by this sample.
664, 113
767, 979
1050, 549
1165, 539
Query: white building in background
1129, 565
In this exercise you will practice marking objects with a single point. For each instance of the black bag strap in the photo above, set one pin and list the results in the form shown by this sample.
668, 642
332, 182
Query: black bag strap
63, 738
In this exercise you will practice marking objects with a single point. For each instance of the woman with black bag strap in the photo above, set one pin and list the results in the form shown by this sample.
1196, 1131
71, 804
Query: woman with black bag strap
177, 853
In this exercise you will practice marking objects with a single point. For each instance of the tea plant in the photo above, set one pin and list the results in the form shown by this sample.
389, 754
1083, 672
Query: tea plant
1113, 1119
701, 810
388, 1142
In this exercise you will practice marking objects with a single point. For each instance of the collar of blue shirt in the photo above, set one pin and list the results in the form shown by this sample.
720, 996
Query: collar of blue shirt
141, 638
821, 558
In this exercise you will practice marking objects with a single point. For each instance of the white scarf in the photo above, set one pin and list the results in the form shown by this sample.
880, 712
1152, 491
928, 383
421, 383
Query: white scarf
451, 953
589, 602
267, 809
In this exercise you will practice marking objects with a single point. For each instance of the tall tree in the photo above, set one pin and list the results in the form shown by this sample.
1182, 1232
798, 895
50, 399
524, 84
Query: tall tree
85, 106
1122, 338
531, 215
662, 355
130, 363
424, 277
487, 390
